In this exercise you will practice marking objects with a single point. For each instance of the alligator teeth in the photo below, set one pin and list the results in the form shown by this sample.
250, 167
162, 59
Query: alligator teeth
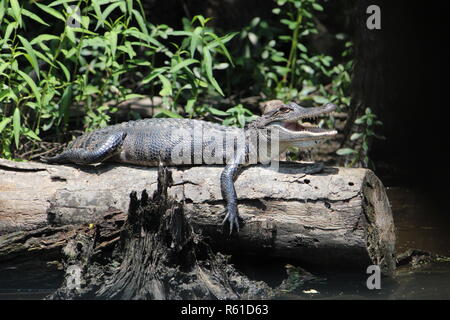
307, 125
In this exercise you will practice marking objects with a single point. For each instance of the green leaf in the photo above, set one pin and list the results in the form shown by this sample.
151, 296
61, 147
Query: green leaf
183, 64
155, 73
2, 10
317, 6
221, 42
34, 17
307, 69
43, 37
31, 134
31, 57
302, 47
217, 112
228, 122
98, 14
85, 20
208, 67
43, 57
167, 113
278, 58
4, 123
4, 93
16, 126
110, 9
361, 120
70, 34
112, 37
64, 69
55, 3
140, 21
9, 29
16, 11
130, 5
320, 99
69, 53
83, 30
133, 96
51, 11
166, 86
142, 36
180, 33
356, 136
88, 90
4, 66
32, 85
345, 151
201, 19
241, 120
195, 39
128, 48
190, 106
66, 100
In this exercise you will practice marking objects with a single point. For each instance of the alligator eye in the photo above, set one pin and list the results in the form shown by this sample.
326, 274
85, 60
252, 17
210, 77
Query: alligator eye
284, 109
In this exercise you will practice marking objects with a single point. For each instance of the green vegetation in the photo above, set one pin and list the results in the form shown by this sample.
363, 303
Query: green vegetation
61, 71
359, 155
87, 69
284, 67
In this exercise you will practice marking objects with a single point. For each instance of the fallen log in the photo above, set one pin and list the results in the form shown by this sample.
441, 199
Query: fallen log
303, 212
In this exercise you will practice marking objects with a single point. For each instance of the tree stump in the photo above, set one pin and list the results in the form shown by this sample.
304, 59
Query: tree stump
156, 255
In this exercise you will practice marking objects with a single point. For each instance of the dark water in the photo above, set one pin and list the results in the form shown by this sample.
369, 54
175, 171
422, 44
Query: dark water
421, 223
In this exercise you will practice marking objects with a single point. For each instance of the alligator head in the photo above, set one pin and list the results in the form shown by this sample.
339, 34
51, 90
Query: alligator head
286, 121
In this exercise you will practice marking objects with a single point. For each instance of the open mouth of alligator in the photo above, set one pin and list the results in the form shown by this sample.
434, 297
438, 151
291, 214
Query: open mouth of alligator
302, 131
299, 127
306, 127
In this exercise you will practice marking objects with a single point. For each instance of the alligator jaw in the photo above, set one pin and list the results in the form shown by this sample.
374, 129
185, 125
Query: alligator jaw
293, 130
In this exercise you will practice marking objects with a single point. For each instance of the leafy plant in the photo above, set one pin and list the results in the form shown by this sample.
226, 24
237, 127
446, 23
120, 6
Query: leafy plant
188, 73
286, 66
366, 122
238, 116
57, 66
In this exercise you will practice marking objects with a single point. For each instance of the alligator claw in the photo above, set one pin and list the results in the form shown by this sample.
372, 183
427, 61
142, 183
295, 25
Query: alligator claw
44, 159
232, 218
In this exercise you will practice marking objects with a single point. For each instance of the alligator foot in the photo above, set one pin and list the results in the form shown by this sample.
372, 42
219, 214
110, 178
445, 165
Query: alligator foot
232, 217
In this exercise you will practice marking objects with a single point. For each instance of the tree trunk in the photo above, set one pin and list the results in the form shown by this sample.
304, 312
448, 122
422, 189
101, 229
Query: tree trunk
320, 216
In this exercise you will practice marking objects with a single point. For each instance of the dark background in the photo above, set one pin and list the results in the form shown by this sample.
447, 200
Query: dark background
412, 90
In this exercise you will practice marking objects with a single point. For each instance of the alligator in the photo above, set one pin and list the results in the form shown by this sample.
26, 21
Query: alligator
171, 141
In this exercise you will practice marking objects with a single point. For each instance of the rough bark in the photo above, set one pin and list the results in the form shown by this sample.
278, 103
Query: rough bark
156, 255
320, 216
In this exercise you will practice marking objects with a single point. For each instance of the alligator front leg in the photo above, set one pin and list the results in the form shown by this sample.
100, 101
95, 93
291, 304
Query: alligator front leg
83, 156
227, 178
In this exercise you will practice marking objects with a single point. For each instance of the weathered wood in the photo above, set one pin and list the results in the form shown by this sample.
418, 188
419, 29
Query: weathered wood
156, 255
321, 216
